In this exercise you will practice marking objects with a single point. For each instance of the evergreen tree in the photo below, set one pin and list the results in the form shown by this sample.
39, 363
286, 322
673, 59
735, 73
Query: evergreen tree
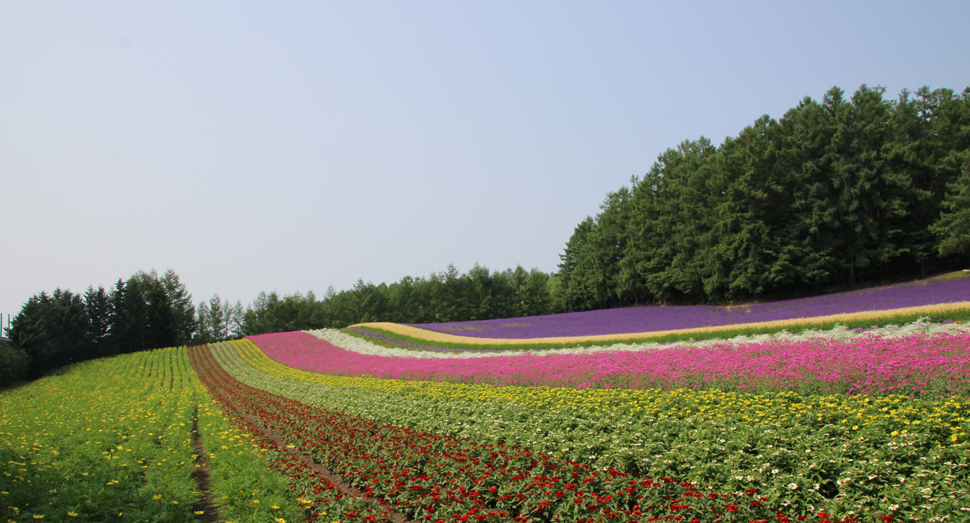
51, 330
183, 312
98, 305
572, 291
953, 227
129, 318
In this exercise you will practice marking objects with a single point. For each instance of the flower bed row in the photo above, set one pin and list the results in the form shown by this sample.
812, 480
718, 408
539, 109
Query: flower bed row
432, 477
115, 440
848, 455
317, 495
916, 364
645, 319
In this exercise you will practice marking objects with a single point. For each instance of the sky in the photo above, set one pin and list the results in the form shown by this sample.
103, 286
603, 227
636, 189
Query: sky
291, 146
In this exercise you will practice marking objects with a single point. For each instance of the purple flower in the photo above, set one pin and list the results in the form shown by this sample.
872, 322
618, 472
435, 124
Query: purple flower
657, 318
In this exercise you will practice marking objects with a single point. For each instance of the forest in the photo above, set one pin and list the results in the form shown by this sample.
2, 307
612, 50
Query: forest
843, 191
150, 311
839, 192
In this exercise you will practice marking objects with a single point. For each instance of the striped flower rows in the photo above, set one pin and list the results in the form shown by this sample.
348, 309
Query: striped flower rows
912, 364
873, 302
118, 439
430, 477
856, 455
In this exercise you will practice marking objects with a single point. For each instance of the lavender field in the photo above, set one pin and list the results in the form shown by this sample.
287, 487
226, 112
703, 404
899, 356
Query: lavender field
951, 289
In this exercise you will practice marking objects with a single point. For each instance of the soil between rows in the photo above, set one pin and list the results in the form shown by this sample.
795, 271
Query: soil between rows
308, 461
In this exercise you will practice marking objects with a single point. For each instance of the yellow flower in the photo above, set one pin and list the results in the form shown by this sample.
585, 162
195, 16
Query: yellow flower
199, 512
274, 507
71, 513
279, 520
38, 516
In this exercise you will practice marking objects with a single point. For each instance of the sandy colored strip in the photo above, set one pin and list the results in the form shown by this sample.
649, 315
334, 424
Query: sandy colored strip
441, 337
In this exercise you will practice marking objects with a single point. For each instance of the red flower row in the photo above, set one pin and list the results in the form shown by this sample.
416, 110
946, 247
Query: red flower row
441, 479
319, 491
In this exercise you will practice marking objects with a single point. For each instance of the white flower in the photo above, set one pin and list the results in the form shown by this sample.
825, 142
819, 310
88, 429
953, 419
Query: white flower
839, 333
793, 486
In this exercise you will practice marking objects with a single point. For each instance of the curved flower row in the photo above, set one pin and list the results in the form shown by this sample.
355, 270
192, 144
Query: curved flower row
912, 364
317, 494
847, 455
917, 297
361, 343
431, 477
127, 439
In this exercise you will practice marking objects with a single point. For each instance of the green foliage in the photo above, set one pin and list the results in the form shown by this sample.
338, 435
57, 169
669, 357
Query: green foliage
218, 320
140, 313
112, 440
479, 294
13, 365
841, 191
51, 330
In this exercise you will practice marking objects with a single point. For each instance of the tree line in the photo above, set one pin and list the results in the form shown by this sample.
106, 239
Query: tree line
857, 190
841, 191
479, 294
149, 311
52, 330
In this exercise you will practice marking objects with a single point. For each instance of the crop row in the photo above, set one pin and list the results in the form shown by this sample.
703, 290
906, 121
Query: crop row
847, 455
317, 493
430, 477
118, 440
915, 364
891, 300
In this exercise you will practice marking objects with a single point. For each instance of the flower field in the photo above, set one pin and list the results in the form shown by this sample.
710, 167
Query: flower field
126, 439
909, 364
873, 456
937, 296
866, 424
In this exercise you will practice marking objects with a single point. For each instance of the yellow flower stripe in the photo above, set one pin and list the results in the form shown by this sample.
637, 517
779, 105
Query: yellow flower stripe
711, 405
441, 337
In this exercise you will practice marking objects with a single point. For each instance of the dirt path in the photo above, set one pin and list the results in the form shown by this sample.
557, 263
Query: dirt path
206, 504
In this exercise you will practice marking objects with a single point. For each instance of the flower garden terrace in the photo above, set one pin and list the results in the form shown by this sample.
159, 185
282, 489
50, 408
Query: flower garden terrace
836, 416
939, 299
846, 424
842, 422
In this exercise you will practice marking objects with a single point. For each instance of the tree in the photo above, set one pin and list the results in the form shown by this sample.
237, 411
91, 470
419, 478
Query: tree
97, 303
572, 290
51, 330
953, 227
215, 319
129, 318
183, 312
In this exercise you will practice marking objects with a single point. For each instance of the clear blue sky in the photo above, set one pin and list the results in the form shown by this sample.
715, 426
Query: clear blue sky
291, 146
